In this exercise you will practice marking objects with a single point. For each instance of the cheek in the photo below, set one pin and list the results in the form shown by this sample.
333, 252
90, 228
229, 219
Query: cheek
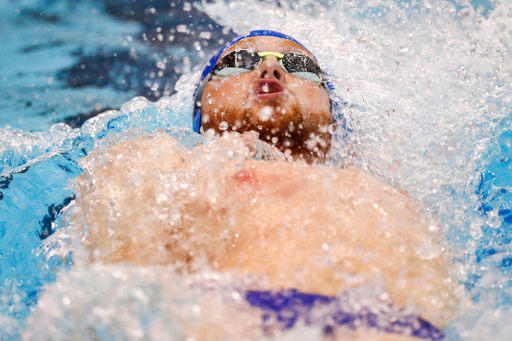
311, 96
229, 92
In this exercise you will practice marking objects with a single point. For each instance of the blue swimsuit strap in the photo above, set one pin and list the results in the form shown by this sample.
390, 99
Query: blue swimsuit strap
288, 306
196, 120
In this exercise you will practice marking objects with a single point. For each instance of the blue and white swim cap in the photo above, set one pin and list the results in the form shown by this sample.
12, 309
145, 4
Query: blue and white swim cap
196, 119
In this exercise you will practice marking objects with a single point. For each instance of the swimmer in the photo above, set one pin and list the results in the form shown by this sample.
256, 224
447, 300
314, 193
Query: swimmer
336, 248
268, 83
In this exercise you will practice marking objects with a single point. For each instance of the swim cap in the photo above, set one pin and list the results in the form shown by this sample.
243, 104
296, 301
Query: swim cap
196, 119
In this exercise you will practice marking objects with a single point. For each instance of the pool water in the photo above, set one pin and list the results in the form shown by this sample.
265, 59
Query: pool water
428, 105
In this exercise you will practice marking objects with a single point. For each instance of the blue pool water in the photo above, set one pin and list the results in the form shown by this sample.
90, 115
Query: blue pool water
447, 90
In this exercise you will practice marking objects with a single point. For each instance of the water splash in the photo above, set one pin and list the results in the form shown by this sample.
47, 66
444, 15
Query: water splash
428, 99
34, 190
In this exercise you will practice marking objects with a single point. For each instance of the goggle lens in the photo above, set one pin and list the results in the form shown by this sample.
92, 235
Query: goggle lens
296, 64
239, 59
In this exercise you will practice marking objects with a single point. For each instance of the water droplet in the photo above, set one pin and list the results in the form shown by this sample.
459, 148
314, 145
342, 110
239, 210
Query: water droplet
223, 125
265, 113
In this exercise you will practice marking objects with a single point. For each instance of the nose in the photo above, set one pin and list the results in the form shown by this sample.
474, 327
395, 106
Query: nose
271, 69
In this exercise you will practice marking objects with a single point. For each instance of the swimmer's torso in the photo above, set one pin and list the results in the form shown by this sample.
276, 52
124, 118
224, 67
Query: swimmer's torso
311, 228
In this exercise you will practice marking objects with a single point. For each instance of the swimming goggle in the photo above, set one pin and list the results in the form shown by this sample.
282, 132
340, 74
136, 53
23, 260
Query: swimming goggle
237, 62
296, 64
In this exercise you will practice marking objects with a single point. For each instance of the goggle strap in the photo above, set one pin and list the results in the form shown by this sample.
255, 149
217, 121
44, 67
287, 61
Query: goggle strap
200, 90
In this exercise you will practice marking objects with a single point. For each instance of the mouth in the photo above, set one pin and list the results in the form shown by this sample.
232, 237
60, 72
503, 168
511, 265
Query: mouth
269, 89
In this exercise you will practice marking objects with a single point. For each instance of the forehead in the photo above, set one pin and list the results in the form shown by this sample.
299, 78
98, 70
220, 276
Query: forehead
267, 44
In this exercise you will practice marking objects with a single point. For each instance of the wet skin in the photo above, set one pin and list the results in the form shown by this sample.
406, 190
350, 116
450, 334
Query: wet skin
309, 227
316, 229
290, 112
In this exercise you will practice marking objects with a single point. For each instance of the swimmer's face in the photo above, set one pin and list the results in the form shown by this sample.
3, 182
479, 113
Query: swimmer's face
287, 111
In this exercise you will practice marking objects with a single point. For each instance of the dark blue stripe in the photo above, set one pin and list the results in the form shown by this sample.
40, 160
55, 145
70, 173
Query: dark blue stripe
288, 306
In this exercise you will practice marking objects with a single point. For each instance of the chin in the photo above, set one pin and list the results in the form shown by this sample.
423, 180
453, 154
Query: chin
285, 120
